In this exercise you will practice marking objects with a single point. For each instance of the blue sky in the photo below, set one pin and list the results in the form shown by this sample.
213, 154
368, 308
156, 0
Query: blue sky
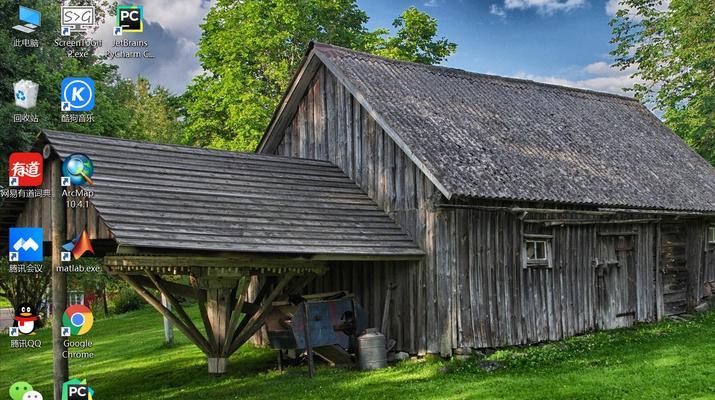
558, 41
563, 42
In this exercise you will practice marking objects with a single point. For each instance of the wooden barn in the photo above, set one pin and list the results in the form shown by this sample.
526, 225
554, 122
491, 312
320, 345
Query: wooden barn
490, 211
544, 211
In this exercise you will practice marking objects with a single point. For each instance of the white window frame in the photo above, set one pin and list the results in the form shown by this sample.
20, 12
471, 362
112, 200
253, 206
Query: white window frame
546, 262
711, 234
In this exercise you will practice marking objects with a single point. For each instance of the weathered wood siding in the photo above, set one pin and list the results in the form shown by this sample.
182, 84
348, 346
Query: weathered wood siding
471, 289
330, 124
499, 302
674, 268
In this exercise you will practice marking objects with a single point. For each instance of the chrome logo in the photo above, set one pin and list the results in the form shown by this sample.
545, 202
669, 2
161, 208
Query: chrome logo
78, 318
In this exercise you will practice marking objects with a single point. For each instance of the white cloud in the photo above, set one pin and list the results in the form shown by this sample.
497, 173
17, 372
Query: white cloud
547, 7
599, 76
496, 10
612, 7
172, 30
431, 3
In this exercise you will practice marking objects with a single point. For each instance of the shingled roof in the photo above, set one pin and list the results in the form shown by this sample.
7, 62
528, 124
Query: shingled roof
490, 137
164, 196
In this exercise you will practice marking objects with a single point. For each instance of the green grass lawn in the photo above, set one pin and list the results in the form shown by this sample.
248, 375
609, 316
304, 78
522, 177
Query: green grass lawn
660, 361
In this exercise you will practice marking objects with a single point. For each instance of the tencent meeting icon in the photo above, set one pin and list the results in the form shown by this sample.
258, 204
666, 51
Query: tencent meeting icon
77, 169
77, 94
25, 244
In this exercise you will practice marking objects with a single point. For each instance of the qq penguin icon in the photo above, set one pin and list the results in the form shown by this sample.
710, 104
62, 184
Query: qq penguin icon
26, 319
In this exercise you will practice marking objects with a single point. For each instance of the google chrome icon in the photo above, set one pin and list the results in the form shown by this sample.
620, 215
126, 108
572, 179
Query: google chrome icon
78, 319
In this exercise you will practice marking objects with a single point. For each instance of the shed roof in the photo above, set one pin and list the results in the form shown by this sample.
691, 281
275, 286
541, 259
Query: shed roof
485, 136
175, 197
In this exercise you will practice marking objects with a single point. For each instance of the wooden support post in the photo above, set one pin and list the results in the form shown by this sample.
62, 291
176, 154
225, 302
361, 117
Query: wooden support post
218, 303
308, 346
256, 321
60, 366
168, 328
193, 336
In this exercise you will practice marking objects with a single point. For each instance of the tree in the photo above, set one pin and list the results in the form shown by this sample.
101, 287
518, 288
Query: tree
22, 287
250, 51
47, 66
155, 114
674, 52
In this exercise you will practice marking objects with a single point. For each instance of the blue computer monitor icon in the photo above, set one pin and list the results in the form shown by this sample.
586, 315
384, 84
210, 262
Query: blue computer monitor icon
30, 17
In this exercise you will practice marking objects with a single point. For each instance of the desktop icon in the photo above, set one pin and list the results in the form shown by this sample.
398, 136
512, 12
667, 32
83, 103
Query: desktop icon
25, 93
25, 169
77, 94
76, 19
77, 247
30, 17
23, 391
74, 389
26, 319
25, 244
78, 319
129, 19
78, 168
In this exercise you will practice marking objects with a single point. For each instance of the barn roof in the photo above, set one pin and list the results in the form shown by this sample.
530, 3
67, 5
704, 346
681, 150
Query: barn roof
490, 137
165, 196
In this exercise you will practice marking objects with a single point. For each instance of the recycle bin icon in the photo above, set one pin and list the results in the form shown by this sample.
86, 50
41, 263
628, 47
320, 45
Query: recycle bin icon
26, 93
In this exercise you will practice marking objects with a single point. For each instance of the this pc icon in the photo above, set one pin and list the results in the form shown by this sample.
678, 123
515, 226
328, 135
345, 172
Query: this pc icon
30, 17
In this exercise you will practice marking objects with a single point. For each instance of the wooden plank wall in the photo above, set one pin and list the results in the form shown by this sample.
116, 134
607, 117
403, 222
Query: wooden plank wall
501, 303
331, 125
674, 268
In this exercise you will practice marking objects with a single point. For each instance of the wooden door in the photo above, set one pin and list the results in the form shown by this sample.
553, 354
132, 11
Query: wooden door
615, 281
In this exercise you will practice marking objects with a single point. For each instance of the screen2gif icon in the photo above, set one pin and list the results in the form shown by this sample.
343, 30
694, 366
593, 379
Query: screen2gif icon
77, 94
129, 19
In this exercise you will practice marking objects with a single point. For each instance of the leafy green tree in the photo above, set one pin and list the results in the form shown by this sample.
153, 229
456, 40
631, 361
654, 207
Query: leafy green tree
414, 40
155, 114
250, 51
674, 52
47, 66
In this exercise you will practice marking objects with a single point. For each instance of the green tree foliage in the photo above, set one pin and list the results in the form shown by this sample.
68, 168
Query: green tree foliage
250, 51
674, 51
117, 101
155, 114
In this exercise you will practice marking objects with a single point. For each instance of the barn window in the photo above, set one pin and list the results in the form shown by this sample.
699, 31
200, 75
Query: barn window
711, 234
537, 251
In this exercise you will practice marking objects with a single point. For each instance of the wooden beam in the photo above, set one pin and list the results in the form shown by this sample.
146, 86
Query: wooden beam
557, 222
257, 319
60, 365
176, 289
236, 313
175, 303
201, 301
239, 264
200, 342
